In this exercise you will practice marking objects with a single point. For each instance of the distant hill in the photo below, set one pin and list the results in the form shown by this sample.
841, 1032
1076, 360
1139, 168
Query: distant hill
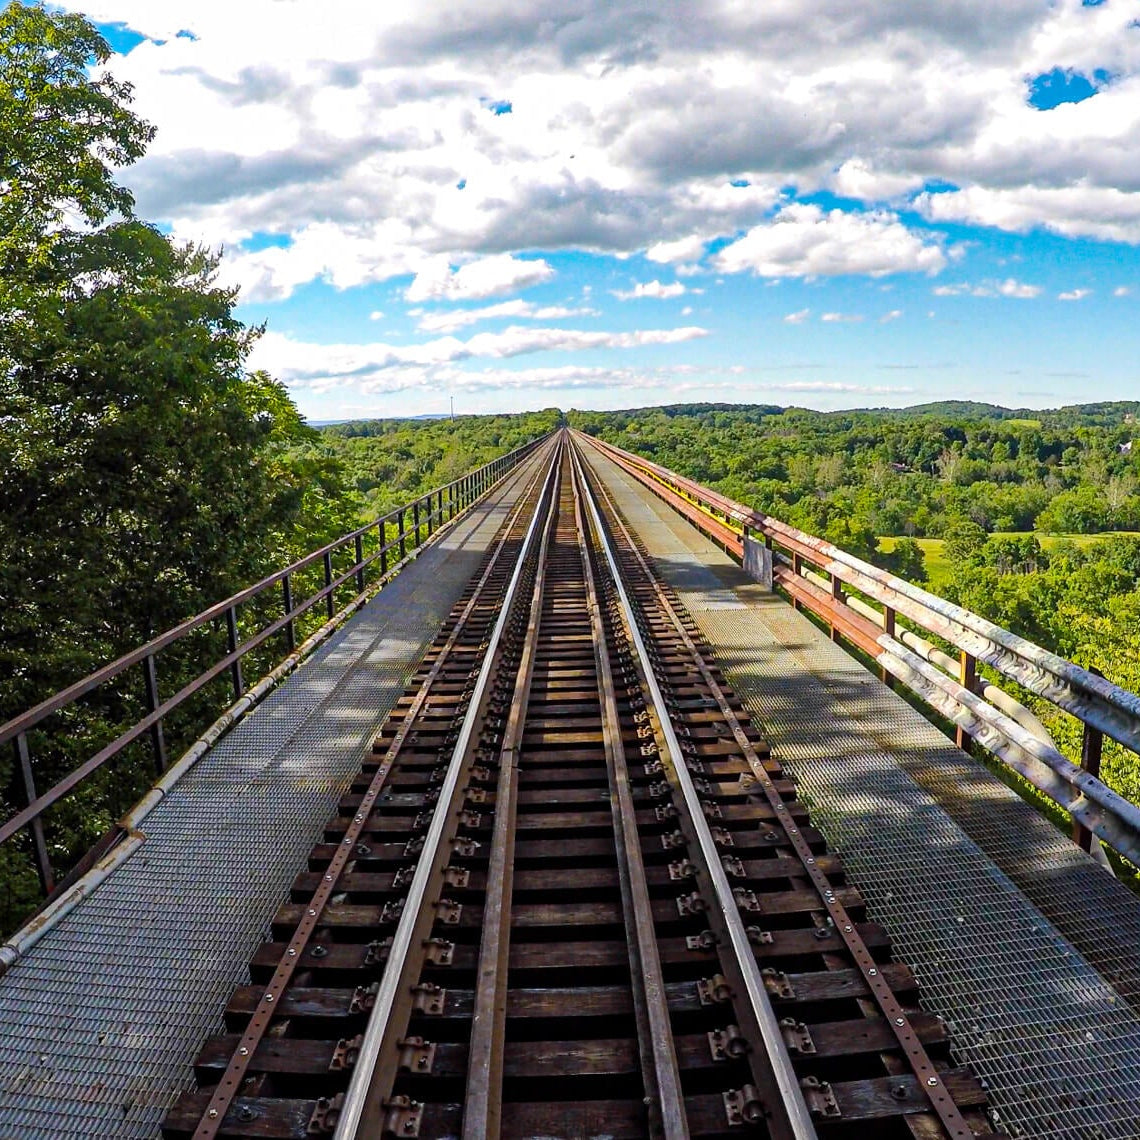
958, 409
1104, 414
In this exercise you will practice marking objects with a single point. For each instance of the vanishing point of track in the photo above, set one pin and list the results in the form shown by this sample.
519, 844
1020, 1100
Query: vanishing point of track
571, 894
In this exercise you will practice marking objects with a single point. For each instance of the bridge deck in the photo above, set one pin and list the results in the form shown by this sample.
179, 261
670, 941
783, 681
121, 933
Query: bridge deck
1022, 942
1019, 939
104, 1016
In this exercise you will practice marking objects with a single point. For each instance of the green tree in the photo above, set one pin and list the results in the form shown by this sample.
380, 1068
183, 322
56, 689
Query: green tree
963, 539
61, 132
147, 474
907, 560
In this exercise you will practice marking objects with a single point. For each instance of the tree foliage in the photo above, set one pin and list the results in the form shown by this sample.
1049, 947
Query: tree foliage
147, 474
61, 132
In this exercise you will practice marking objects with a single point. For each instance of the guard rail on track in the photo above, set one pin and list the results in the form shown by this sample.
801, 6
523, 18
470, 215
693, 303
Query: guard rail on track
980, 710
366, 573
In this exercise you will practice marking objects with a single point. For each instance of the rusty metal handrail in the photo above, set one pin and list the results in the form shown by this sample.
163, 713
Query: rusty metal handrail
426, 514
1105, 709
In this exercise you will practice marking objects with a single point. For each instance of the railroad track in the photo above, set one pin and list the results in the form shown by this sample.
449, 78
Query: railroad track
571, 894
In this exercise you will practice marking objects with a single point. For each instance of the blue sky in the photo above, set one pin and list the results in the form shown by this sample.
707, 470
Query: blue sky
601, 205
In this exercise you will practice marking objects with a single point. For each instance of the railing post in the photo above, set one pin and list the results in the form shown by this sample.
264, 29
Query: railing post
889, 629
430, 512
150, 681
450, 501
415, 524
797, 568
1092, 745
381, 528
360, 564
967, 671
403, 536
39, 844
231, 647
837, 594
329, 604
287, 599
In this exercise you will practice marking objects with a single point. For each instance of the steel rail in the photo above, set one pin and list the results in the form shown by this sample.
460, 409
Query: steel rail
894, 1014
230, 1083
797, 1117
359, 1097
661, 1075
483, 1101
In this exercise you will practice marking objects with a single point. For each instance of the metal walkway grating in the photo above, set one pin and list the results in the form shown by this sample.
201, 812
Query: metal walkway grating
948, 858
104, 1016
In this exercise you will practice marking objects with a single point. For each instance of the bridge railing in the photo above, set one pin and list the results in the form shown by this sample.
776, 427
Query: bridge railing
360, 561
861, 604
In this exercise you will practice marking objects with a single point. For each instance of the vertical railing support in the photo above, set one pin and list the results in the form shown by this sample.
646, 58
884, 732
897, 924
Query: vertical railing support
797, 569
837, 595
360, 564
415, 524
381, 529
330, 605
403, 536
150, 683
287, 600
39, 844
967, 672
889, 629
231, 647
1092, 746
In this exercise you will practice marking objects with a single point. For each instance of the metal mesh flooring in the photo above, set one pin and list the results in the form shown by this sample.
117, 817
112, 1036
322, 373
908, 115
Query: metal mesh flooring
953, 863
102, 1019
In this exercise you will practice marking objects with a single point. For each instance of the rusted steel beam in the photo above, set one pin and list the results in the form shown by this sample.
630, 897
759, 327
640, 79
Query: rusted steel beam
1092, 803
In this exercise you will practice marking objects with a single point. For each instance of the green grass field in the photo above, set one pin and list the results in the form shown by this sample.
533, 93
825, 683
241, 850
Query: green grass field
938, 567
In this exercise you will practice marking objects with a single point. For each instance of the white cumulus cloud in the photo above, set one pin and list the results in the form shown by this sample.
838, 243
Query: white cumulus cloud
486, 277
321, 366
1074, 295
651, 289
841, 318
1012, 288
798, 317
805, 241
362, 134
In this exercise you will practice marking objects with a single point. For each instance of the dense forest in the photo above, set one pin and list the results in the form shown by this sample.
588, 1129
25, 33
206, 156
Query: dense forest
1004, 492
